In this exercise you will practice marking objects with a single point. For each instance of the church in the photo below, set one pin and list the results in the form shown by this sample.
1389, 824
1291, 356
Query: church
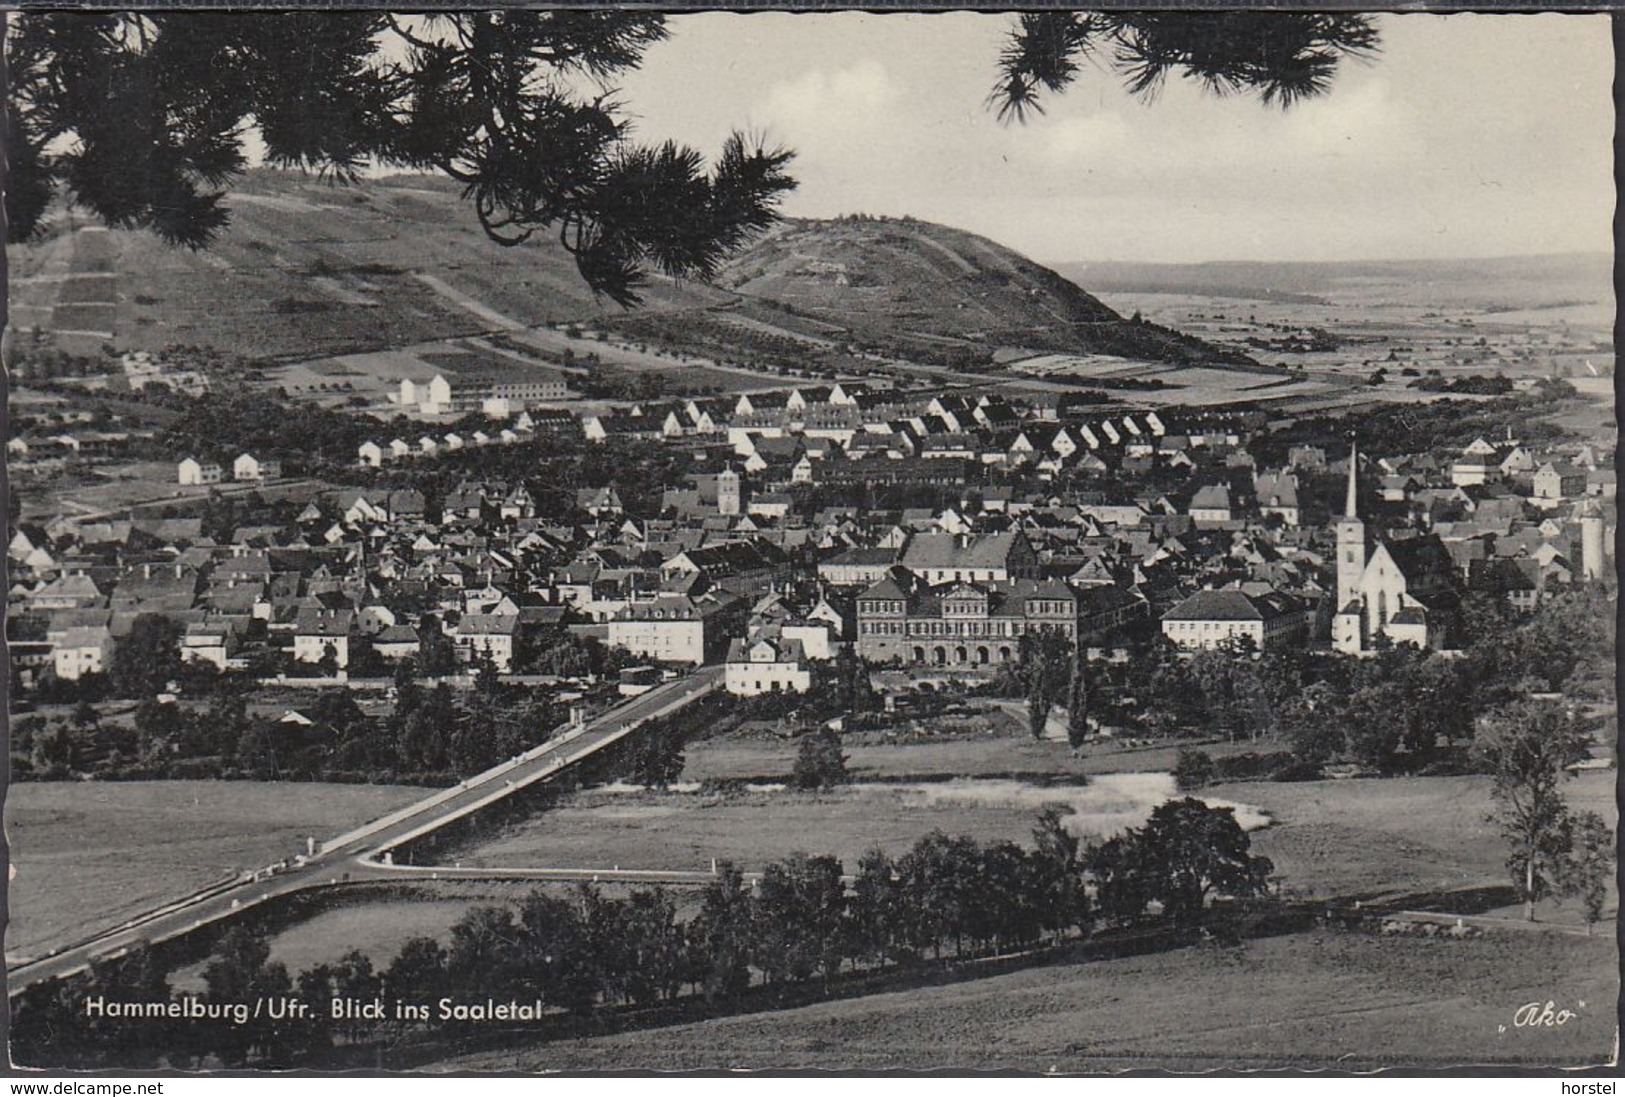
1401, 589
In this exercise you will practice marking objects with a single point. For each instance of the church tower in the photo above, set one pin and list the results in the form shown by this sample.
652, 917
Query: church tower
1351, 546
728, 491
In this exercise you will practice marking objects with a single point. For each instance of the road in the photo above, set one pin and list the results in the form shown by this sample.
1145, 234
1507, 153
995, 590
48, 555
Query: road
360, 854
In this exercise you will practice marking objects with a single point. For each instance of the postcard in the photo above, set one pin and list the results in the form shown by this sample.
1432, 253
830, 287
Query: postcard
578, 539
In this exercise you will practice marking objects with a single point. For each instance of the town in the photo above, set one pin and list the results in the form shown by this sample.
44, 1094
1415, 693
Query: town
917, 528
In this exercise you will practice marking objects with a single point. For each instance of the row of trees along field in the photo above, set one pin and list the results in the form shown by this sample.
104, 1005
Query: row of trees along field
803, 922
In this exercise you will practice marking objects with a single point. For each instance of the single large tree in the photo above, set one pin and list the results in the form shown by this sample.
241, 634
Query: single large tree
722, 935
1077, 698
1589, 866
1527, 746
1186, 852
148, 657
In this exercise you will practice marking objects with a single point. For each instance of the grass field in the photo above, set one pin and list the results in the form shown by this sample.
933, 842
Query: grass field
1399, 834
1320, 999
86, 855
685, 830
736, 758
1326, 838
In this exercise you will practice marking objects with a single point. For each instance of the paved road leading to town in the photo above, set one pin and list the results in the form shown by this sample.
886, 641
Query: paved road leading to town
356, 854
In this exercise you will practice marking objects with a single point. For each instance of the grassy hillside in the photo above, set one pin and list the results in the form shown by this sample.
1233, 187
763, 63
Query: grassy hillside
308, 269
907, 283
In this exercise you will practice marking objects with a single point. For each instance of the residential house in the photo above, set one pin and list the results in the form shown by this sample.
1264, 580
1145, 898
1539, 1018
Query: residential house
194, 473
1217, 618
766, 665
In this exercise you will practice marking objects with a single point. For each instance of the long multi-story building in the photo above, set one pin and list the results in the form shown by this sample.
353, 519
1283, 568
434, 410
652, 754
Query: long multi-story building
498, 392
980, 623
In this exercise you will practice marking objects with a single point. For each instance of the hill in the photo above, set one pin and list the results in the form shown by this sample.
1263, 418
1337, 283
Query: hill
308, 269
910, 285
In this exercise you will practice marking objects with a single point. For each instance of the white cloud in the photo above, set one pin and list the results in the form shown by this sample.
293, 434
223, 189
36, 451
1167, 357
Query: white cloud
820, 103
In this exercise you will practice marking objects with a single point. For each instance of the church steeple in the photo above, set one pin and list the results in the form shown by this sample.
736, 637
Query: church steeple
1349, 507
1351, 547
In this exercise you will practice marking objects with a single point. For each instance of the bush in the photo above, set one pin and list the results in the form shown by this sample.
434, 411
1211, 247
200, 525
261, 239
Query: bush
1298, 771
1251, 766
1194, 769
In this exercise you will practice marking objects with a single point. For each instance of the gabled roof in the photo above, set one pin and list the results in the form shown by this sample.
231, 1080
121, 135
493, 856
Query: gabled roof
1219, 605
886, 589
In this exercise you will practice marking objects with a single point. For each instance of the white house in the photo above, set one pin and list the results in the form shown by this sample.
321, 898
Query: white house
1211, 505
490, 634
323, 631
193, 472
766, 666
82, 651
370, 453
1213, 618
249, 467
207, 642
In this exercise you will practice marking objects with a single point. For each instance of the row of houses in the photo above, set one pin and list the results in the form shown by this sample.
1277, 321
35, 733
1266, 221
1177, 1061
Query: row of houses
526, 426
247, 468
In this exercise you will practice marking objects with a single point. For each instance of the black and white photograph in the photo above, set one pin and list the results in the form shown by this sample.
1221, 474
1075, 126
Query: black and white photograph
556, 541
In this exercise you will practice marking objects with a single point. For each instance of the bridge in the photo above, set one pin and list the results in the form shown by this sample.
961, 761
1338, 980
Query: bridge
367, 852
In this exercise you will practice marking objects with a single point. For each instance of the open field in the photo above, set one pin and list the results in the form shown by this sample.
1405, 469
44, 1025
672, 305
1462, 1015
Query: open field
740, 758
1407, 332
1319, 999
114, 489
1327, 838
686, 829
86, 855
1391, 835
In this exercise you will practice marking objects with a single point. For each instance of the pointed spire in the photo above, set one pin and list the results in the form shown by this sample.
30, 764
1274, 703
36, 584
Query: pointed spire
1349, 510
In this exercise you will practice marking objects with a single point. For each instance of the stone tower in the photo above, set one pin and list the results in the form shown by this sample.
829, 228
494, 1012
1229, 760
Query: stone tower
1593, 557
728, 491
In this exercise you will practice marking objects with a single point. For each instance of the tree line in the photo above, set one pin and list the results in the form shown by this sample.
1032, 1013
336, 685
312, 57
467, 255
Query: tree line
803, 920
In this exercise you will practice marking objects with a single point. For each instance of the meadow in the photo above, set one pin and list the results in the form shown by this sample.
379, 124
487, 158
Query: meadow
759, 758
86, 855
1321, 999
1402, 834
685, 829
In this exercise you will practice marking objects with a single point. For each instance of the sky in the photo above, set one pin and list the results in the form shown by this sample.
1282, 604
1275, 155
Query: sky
1466, 136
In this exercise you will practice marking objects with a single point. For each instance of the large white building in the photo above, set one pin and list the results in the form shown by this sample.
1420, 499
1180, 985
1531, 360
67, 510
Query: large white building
496, 392
677, 628
1217, 618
